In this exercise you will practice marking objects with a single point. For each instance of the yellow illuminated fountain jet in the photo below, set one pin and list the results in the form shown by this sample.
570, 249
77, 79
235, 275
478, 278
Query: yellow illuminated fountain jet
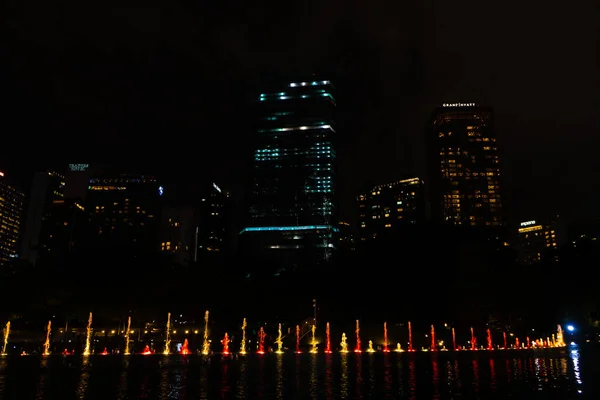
47, 342
167, 350
279, 341
243, 344
206, 342
88, 339
313, 342
127, 332
344, 344
370, 349
6, 334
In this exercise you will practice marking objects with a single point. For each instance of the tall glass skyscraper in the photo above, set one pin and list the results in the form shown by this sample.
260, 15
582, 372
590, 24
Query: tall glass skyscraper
464, 167
292, 207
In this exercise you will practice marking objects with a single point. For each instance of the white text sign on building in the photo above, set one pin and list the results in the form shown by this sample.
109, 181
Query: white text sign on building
527, 223
78, 167
459, 104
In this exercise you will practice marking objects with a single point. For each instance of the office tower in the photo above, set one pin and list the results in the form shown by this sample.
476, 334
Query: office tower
464, 169
47, 191
385, 208
292, 213
214, 220
178, 234
11, 212
124, 212
535, 239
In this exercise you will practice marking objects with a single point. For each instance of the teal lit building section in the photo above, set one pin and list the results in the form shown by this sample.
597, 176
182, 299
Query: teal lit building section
292, 200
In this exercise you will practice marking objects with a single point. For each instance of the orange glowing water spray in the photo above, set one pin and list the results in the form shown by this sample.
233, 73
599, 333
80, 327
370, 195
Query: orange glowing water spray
473, 340
358, 344
206, 341
385, 339
432, 338
298, 339
147, 351
454, 340
504, 337
225, 342
517, 343
327, 339
410, 346
489, 340
185, 348
47, 342
104, 352
261, 341
528, 342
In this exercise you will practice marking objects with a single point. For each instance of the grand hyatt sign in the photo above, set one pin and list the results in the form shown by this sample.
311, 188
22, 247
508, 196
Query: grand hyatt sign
459, 105
78, 167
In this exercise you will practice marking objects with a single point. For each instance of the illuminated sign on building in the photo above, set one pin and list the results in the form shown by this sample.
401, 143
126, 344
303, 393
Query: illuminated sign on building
78, 167
216, 187
527, 223
459, 104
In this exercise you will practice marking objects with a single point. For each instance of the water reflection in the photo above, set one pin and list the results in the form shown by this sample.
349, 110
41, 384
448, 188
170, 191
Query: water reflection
435, 379
41, 387
329, 377
576, 371
204, 379
225, 379
387, 377
412, 379
242, 384
83, 379
492, 375
359, 379
314, 381
279, 379
476, 376
122, 388
316, 376
344, 376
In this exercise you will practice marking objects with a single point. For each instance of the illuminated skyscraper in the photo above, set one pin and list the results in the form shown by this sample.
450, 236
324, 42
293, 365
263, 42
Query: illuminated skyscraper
292, 200
464, 169
11, 211
385, 208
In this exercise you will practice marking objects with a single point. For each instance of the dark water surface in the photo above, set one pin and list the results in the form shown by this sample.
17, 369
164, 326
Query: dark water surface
556, 374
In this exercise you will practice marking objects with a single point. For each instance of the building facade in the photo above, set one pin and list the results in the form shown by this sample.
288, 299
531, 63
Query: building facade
464, 167
535, 240
124, 213
179, 234
292, 201
11, 212
388, 207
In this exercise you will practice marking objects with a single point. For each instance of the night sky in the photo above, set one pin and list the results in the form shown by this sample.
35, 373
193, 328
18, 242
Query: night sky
165, 85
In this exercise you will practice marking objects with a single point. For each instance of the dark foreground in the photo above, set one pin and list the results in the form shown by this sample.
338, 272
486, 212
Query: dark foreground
556, 374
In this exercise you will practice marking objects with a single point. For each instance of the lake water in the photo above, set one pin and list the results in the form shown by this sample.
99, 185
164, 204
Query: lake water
555, 374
